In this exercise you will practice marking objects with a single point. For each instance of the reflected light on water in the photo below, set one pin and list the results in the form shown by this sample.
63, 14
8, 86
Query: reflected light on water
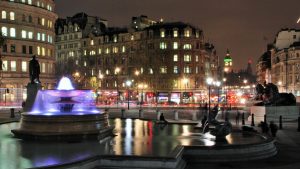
185, 130
128, 137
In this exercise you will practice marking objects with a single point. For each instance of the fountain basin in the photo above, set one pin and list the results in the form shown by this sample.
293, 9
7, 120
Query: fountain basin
63, 127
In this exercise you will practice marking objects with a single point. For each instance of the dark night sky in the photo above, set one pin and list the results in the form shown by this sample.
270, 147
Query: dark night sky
239, 25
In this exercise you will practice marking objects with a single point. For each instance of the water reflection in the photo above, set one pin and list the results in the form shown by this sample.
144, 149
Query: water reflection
133, 137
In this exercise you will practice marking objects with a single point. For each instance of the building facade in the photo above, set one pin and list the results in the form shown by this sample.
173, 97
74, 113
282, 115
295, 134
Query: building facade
28, 27
165, 62
69, 33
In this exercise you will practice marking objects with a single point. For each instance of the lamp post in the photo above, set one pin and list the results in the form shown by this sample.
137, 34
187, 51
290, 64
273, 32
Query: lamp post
137, 73
209, 81
225, 90
128, 84
142, 87
185, 82
117, 70
218, 84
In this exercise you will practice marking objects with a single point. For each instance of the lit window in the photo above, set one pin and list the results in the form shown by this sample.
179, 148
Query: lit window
92, 52
175, 45
43, 51
175, 69
43, 68
175, 33
43, 21
107, 71
197, 34
4, 65
197, 58
163, 45
150, 71
115, 49
92, 42
187, 58
38, 49
187, 46
175, 58
24, 34
187, 33
24, 66
12, 16
30, 35
4, 31
38, 37
3, 16
107, 51
23, 1
43, 37
84, 52
163, 69
187, 69
123, 49
197, 70
131, 37
29, 2
99, 51
13, 66
162, 33
12, 32
115, 38
38, 3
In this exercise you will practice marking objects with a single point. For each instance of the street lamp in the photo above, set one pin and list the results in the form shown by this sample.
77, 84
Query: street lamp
142, 87
117, 70
209, 81
225, 88
128, 84
218, 84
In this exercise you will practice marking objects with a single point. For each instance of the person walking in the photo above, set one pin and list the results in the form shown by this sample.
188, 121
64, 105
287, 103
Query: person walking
273, 128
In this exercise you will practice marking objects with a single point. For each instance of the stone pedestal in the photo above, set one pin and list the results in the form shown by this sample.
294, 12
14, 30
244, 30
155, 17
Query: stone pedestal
288, 113
32, 90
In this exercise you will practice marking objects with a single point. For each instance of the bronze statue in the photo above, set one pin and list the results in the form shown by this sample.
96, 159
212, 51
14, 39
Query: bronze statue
270, 96
34, 70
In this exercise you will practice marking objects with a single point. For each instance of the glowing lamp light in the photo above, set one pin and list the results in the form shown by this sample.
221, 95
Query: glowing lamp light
65, 84
243, 101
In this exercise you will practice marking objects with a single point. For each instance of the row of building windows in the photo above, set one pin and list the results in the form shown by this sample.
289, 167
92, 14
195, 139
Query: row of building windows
38, 4
12, 66
11, 32
163, 45
187, 33
40, 21
67, 46
115, 38
28, 50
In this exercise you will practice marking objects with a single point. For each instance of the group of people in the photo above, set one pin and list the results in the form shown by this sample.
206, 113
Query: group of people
265, 128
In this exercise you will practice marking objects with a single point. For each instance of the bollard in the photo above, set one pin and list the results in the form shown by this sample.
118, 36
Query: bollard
175, 115
298, 124
265, 118
12, 113
141, 114
123, 113
158, 114
280, 122
194, 118
243, 118
252, 120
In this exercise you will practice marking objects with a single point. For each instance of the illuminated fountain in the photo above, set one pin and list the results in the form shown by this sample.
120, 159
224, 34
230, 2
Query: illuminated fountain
64, 114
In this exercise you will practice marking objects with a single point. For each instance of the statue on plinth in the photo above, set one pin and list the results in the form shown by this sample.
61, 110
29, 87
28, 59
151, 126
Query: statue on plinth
270, 96
34, 70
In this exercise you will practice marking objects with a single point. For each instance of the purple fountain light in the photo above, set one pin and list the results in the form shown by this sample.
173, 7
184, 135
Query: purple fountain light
65, 100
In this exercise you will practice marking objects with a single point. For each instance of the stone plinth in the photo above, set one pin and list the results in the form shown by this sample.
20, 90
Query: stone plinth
32, 90
288, 113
